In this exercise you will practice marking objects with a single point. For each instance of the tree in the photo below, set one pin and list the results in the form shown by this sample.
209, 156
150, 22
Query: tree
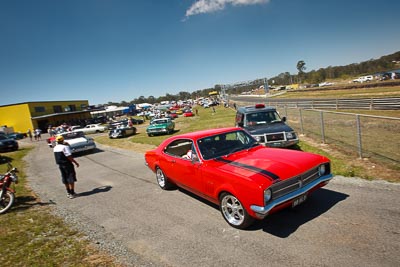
301, 67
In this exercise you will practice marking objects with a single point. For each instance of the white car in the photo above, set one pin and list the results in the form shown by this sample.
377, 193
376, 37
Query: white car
91, 128
325, 84
77, 141
368, 78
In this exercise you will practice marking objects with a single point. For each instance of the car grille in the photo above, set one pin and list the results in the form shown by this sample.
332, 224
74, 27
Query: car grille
274, 137
287, 186
155, 130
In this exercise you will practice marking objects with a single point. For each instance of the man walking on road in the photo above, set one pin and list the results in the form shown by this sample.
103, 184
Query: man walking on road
64, 159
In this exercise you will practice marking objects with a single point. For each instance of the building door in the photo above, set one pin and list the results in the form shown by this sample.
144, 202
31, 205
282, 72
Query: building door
43, 124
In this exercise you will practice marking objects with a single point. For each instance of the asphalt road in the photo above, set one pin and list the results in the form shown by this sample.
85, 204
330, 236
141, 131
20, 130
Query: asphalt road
350, 222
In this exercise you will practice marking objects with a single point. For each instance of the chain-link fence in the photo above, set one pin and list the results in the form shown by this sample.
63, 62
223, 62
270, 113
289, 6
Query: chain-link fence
364, 135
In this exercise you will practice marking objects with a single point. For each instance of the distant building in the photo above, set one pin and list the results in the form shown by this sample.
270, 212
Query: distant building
32, 115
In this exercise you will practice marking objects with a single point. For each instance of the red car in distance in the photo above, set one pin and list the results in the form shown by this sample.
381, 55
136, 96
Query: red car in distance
188, 113
229, 168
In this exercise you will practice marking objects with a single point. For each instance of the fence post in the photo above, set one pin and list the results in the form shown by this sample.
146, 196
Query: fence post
359, 136
301, 121
322, 127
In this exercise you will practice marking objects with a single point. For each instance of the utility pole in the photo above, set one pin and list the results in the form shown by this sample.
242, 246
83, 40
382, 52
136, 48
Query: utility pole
266, 88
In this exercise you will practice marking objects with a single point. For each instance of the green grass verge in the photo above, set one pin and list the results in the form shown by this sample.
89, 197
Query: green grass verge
31, 236
339, 166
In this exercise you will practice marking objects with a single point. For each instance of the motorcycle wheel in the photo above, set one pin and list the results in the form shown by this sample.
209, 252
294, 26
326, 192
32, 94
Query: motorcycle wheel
6, 202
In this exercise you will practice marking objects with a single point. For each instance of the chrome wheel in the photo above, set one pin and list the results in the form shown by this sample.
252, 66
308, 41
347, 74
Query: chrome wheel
162, 180
234, 212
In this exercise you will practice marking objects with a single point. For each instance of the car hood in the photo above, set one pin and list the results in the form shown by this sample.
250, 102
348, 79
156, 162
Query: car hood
157, 126
267, 165
8, 140
269, 128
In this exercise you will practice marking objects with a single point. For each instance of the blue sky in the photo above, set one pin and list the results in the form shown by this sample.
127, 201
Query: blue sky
119, 50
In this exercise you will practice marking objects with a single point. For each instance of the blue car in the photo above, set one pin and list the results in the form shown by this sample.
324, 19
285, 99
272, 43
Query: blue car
7, 144
16, 136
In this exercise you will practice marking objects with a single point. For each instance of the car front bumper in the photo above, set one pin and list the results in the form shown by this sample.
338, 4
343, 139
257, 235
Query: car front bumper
262, 212
83, 148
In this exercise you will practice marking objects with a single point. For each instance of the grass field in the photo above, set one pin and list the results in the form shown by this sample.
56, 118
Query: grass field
393, 91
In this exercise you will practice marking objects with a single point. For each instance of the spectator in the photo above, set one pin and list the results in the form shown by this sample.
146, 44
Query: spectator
64, 159
29, 133
38, 134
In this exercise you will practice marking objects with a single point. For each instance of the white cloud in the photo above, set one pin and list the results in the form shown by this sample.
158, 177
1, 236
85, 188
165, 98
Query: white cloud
209, 6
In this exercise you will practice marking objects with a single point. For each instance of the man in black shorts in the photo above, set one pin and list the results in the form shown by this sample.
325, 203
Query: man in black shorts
64, 159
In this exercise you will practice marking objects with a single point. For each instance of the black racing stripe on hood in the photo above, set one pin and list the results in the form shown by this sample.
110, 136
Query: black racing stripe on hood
251, 168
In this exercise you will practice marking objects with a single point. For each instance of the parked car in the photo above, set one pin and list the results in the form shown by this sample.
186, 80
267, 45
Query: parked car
137, 121
390, 76
7, 144
188, 113
172, 115
325, 84
77, 141
92, 128
116, 124
123, 131
368, 78
228, 167
160, 126
266, 126
16, 136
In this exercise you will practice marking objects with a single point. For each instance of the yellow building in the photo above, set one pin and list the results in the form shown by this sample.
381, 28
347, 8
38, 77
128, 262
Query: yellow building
33, 115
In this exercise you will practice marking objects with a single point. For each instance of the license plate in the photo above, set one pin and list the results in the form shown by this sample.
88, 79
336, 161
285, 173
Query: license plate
299, 200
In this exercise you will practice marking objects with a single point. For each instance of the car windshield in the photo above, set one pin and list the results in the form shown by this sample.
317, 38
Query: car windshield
224, 144
159, 122
262, 117
73, 135
3, 137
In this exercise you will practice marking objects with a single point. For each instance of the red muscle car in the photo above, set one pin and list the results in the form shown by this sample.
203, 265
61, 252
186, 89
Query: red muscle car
228, 167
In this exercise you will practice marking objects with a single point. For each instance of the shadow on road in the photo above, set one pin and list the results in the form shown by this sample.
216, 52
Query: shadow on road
101, 189
285, 222
85, 153
27, 202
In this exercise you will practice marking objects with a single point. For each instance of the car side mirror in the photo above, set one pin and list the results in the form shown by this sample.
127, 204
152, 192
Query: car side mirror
284, 119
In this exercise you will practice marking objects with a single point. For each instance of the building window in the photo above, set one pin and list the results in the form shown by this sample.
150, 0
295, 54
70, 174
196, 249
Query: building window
40, 109
72, 107
57, 109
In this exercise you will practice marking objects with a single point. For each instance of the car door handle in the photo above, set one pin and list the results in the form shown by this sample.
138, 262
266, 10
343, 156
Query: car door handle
172, 161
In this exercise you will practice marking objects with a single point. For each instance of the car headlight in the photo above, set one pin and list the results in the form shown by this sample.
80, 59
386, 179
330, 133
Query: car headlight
267, 195
289, 135
322, 169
